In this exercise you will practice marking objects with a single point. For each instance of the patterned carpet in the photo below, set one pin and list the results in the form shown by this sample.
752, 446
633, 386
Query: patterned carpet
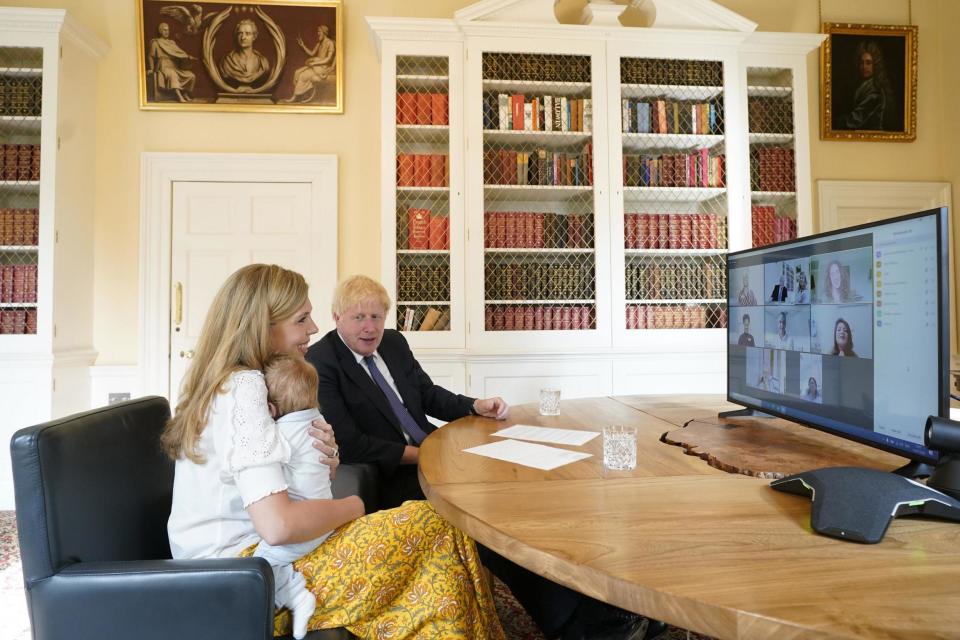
15, 625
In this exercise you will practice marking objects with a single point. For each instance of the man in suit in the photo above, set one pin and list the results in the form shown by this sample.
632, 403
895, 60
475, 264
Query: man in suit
377, 397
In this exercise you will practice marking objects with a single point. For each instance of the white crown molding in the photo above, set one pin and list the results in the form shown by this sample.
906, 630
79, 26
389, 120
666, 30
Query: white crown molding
52, 21
406, 29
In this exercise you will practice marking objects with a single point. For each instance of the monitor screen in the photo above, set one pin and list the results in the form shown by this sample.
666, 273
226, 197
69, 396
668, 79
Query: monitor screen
846, 331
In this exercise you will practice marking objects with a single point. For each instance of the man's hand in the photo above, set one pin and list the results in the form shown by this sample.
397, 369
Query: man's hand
495, 407
411, 455
326, 443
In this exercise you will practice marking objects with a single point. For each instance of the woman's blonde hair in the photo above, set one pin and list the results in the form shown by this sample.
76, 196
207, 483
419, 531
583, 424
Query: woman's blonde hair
354, 290
235, 336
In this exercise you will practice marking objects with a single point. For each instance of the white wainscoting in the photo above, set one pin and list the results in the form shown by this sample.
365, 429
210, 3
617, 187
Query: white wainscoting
107, 379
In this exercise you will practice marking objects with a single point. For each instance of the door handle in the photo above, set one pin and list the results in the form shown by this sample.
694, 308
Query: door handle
186, 354
178, 305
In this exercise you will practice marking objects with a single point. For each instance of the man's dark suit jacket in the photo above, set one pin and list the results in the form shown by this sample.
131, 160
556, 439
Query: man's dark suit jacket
366, 428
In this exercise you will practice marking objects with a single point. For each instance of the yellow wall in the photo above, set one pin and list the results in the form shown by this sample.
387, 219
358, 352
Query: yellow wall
124, 132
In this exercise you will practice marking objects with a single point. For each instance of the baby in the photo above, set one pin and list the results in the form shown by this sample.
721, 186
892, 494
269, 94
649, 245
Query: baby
292, 393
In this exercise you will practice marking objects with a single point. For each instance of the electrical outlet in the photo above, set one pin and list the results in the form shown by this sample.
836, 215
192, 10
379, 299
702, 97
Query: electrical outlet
114, 398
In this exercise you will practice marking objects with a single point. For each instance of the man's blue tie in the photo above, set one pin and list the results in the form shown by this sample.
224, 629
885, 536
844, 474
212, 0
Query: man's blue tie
406, 420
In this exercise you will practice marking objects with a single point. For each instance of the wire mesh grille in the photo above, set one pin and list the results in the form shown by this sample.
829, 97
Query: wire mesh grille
539, 232
20, 110
772, 165
423, 194
675, 200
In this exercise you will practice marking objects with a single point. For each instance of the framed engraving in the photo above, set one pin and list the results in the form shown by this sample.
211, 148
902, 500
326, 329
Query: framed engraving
868, 82
270, 55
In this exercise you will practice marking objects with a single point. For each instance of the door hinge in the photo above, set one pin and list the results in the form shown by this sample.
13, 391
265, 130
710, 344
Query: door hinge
54, 331
56, 236
54, 385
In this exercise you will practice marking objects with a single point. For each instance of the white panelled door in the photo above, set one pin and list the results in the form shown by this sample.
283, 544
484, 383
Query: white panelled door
218, 227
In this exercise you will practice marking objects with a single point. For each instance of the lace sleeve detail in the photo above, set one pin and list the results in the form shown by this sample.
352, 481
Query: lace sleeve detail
255, 440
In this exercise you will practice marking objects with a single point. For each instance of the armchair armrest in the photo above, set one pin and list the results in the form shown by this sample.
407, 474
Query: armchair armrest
222, 598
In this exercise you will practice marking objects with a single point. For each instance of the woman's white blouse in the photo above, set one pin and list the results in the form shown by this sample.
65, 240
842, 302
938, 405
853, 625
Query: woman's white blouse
244, 454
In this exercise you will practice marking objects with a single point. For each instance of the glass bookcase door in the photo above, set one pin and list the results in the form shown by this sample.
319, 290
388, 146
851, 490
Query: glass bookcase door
21, 76
423, 195
675, 205
539, 226
773, 197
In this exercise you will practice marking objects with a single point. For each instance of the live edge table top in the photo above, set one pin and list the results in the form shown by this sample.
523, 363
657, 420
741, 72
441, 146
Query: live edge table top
681, 541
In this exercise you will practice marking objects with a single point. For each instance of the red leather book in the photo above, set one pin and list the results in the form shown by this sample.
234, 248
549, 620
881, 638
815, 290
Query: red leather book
406, 108
500, 227
686, 232
421, 170
418, 229
516, 110
538, 318
439, 108
574, 231
538, 230
497, 318
566, 321
438, 169
438, 232
528, 318
548, 319
629, 231
673, 231
529, 230
405, 169
31, 321
30, 282
663, 231
424, 112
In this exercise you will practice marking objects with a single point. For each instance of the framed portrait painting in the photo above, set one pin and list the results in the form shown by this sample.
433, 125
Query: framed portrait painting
270, 55
868, 82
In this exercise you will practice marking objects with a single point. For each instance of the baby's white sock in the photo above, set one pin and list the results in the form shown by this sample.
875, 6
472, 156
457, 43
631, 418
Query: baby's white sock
302, 605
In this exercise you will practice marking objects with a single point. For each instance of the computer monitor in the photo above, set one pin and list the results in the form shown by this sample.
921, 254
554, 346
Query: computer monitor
846, 331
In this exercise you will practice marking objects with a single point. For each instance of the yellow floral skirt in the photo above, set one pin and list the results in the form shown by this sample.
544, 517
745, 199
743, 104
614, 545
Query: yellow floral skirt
400, 573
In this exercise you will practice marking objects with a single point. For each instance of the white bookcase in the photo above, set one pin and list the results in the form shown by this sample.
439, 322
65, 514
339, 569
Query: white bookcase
47, 106
548, 267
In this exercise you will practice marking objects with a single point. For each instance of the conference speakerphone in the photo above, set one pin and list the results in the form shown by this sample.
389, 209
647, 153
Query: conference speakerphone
858, 504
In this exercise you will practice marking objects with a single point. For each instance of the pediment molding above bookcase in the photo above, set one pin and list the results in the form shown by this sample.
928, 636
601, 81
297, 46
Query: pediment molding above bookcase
659, 14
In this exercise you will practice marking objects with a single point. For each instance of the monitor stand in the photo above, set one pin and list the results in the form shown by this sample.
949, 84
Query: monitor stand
741, 413
914, 469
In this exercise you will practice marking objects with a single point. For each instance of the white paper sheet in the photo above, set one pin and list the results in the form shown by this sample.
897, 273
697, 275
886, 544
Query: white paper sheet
528, 454
547, 434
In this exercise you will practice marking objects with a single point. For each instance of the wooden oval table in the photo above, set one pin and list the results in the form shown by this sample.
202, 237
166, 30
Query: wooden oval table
678, 540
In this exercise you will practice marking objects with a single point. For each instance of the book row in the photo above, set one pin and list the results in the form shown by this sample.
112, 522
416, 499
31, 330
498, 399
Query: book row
537, 281
538, 317
696, 73
18, 321
668, 116
422, 170
20, 162
674, 231
768, 114
520, 112
698, 169
772, 169
535, 230
542, 167
647, 280
417, 282
20, 95
19, 227
662, 316
423, 319
423, 108
18, 283
528, 67
426, 230
768, 227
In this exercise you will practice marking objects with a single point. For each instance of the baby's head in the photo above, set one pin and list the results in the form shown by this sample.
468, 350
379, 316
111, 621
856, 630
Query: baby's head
291, 384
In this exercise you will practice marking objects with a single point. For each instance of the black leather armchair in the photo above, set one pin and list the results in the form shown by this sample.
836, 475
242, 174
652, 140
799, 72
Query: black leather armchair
93, 494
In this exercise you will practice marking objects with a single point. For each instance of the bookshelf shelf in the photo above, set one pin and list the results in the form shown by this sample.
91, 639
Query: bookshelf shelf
20, 185
538, 87
20, 125
17, 248
422, 303
674, 252
772, 196
684, 301
419, 192
535, 193
672, 194
669, 141
673, 92
550, 139
771, 138
428, 133
775, 92
422, 252
18, 305
414, 81
538, 251
516, 302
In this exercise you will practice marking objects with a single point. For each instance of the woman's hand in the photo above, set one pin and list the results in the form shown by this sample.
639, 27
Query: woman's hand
326, 444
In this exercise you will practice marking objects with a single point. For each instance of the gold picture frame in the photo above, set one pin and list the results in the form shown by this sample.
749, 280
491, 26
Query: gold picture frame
868, 82
238, 55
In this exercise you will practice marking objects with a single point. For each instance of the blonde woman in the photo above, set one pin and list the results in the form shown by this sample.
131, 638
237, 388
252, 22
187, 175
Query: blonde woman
404, 570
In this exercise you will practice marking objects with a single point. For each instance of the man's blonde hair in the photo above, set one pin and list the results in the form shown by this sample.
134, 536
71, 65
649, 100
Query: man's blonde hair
355, 290
235, 336
291, 384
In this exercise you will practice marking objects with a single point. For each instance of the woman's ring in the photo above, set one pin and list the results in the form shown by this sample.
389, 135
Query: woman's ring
336, 452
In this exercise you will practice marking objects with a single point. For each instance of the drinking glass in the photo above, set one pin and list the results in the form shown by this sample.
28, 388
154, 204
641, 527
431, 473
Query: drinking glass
619, 447
549, 402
